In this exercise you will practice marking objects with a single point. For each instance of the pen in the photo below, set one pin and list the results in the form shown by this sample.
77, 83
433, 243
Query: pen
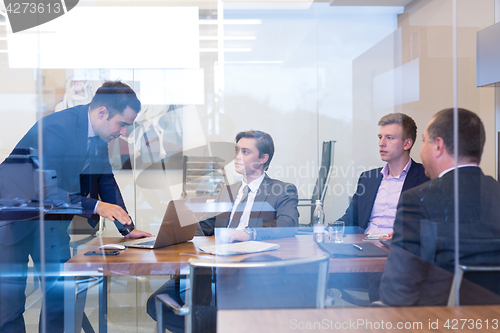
358, 247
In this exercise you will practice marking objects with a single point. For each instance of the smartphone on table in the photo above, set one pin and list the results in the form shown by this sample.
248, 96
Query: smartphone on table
102, 253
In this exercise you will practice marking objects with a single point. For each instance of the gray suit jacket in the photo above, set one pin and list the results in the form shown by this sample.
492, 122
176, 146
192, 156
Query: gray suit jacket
274, 211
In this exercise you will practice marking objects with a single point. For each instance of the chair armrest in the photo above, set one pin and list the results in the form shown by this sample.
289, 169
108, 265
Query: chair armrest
171, 303
378, 304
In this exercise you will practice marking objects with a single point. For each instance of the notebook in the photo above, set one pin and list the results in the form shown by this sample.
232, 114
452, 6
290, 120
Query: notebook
349, 250
178, 226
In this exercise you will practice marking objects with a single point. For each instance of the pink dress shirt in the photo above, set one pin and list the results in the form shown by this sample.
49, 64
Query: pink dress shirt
386, 202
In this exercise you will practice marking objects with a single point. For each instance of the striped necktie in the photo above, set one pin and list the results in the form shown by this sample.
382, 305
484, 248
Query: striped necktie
240, 208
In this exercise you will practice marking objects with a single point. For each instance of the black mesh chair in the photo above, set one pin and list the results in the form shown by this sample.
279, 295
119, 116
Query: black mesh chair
324, 175
293, 283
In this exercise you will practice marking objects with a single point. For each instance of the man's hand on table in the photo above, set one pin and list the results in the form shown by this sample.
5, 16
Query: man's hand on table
234, 235
138, 234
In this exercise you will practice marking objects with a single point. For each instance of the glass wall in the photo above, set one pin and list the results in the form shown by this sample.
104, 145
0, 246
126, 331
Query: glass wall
304, 72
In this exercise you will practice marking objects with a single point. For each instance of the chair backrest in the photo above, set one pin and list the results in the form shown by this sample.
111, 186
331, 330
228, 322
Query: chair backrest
324, 175
202, 175
324, 171
293, 283
484, 276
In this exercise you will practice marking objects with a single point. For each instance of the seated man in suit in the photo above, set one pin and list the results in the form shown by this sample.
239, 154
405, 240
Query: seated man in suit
373, 206
417, 271
262, 208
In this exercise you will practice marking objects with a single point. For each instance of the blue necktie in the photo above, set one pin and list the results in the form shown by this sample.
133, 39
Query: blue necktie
91, 154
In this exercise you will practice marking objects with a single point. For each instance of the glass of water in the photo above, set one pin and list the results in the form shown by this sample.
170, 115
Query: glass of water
336, 231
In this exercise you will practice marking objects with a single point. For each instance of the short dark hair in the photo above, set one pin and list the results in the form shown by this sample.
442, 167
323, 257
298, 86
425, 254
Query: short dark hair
265, 143
406, 122
115, 96
470, 130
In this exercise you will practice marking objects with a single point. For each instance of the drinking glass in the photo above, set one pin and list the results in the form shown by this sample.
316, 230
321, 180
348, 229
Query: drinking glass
336, 230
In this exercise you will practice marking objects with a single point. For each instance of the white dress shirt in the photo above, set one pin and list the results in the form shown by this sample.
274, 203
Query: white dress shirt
253, 188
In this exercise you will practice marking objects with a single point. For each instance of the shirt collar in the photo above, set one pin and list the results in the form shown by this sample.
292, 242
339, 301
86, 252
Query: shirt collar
385, 171
255, 184
457, 167
90, 132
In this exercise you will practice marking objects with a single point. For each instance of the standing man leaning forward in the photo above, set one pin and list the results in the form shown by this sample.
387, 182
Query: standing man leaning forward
75, 146
418, 269
373, 206
262, 208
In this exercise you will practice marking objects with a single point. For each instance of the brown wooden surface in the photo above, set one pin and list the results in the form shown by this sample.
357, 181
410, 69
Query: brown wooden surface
172, 259
360, 320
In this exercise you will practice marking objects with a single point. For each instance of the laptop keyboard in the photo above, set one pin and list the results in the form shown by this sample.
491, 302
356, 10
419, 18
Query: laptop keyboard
151, 242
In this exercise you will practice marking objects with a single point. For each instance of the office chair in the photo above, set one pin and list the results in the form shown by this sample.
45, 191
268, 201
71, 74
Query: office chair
202, 175
293, 283
324, 175
490, 283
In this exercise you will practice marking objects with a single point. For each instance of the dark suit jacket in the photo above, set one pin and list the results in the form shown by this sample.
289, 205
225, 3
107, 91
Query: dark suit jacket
65, 137
424, 228
359, 211
274, 211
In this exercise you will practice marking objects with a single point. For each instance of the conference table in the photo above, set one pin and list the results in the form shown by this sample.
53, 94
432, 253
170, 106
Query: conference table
372, 319
172, 260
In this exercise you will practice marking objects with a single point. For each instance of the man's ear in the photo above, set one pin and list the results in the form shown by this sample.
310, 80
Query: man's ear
439, 147
102, 112
407, 144
264, 158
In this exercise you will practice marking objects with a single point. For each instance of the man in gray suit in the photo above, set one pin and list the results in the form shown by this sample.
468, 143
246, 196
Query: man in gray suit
256, 208
418, 270
260, 203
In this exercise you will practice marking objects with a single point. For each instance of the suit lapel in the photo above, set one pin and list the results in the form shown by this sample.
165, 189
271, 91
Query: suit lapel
229, 195
82, 130
411, 179
261, 197
371, 189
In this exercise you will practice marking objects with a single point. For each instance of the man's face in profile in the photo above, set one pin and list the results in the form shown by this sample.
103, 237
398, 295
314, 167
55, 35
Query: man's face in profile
246, 160
426, 154
390, 142
109, 129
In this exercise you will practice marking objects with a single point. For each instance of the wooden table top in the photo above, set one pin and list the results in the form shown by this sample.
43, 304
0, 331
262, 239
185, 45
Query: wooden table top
359, 320
173, 259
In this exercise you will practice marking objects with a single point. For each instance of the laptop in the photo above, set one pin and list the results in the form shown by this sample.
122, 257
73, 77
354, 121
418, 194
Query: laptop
178, 226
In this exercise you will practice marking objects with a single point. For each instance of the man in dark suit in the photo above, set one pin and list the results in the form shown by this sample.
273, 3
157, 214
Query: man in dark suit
422, 255
257, 208
75, 146
373, 206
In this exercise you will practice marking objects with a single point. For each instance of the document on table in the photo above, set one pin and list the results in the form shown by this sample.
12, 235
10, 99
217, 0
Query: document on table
238, 248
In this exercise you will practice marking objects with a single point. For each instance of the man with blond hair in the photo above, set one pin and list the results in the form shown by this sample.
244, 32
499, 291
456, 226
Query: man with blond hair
373, 206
